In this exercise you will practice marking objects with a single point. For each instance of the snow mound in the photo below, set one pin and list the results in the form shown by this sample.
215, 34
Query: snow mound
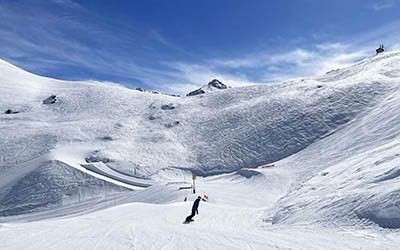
53, 184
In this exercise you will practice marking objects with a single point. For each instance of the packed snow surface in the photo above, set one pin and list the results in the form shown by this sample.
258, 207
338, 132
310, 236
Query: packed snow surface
87, 165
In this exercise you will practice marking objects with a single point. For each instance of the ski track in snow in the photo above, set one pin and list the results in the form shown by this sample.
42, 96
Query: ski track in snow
334, 141
146, 226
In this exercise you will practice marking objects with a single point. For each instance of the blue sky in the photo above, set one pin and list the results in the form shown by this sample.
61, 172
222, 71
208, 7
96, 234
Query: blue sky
177, 45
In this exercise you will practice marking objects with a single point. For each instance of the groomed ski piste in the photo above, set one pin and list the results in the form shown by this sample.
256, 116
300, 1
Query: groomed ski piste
89, 165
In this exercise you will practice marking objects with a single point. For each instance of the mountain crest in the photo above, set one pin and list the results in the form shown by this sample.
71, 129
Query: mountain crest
213, 85
217, 84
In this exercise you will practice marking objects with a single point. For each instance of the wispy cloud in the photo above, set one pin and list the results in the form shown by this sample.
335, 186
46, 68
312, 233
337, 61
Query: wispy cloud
269, 66
193, 75
275, 66
41, 43
61, 34
381, 5
69, 4
72, 39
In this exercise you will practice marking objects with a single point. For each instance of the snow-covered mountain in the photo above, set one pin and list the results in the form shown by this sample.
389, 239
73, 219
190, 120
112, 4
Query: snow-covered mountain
209, 87
69, 148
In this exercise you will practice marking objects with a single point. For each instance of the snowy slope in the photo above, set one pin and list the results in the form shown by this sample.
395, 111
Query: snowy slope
356, 172
226, 221
138, 134
334, 141
352, 175
148, 226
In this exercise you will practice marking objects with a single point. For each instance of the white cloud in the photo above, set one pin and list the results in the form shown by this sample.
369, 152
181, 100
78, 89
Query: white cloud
298, 62
177, 76
277, 66
191, 76
297, 56
39, 40
331, 46
317, 59
69, 4
396, 46
378, 6
182, 88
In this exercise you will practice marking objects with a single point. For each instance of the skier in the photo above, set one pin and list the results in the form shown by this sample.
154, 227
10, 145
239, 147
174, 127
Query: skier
195, 210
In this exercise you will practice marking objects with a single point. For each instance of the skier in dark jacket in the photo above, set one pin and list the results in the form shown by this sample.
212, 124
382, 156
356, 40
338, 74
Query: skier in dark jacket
195, 209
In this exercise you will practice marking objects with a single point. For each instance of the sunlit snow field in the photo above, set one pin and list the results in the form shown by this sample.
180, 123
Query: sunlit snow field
101, 167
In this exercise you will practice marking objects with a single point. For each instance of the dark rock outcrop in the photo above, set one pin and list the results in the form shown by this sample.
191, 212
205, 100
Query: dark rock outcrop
213, 85
172, 124
10, 112
168, 106
50, 100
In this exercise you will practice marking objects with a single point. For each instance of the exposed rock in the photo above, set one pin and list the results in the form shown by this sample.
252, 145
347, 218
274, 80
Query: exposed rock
217, 84
97, 156
168, 106
172, 124
196, 92
50, 100
106, 138
10, 112
211, 86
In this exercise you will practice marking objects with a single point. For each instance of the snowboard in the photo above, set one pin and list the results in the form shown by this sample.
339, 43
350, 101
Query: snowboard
187, 221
